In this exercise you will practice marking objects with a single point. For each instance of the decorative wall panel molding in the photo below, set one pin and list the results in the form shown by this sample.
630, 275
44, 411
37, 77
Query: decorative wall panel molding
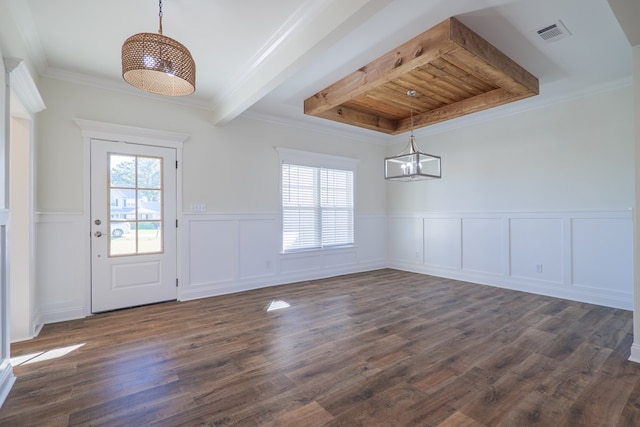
62, 267
225, 253
583, 256
7, 377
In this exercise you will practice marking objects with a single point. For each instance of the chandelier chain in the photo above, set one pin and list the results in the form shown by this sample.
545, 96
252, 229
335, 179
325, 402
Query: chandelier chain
411, 94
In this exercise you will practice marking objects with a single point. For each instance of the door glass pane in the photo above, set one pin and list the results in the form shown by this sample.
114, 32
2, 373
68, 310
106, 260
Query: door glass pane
149, 172
150, 206
149, 238
135, 205
122, 171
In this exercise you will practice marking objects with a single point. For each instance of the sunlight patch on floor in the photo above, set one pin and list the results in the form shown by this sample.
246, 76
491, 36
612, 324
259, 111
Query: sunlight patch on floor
277, 304
41, 356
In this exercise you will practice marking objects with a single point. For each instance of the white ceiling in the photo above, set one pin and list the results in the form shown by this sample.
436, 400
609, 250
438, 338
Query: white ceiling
262, 58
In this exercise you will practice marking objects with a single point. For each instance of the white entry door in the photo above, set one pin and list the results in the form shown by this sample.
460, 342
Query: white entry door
133, 225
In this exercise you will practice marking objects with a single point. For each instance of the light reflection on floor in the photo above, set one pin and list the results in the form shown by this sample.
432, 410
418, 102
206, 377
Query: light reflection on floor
44, 355
277, 304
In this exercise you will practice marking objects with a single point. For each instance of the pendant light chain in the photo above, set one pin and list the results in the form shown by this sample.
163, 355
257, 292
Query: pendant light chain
411, 94
412, 139
160, 15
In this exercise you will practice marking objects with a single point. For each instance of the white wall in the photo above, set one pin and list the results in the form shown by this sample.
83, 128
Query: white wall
549, 187
20, 243
565, 170
635, 348
6, 372
539, 201
233, 169
577, 155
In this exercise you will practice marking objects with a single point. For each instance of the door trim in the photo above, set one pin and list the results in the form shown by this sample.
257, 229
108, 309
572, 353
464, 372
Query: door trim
136, 135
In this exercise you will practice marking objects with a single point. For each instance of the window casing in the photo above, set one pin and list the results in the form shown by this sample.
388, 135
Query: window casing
317, 201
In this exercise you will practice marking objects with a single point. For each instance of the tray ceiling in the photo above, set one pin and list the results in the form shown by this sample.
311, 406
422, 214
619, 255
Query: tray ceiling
453, 70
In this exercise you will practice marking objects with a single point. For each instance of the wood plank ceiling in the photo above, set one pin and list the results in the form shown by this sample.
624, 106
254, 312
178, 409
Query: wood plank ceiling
453, 70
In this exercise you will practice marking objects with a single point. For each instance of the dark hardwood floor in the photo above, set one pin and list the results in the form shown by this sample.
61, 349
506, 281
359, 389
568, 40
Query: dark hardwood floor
384, 348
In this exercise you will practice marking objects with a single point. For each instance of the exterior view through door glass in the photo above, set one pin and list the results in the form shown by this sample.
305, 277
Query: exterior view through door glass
135, 215
133, 225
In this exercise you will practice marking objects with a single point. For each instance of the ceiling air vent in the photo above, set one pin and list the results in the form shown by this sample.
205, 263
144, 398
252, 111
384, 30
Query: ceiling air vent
553, 32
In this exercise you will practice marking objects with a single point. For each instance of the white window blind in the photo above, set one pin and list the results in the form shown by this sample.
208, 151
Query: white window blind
317, 207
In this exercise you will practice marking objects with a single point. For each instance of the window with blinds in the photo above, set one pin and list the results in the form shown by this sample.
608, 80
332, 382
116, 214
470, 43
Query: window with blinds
317, 207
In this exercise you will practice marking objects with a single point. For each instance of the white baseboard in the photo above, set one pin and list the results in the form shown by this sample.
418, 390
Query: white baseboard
60, 314
635, 353
205, 290
6, 380
573, 293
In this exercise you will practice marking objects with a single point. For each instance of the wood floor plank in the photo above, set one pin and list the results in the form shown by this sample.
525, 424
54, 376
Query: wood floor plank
381, 348
386, 408
601, 403
458, 419
631, 413
310, 414
536, 409
498, 400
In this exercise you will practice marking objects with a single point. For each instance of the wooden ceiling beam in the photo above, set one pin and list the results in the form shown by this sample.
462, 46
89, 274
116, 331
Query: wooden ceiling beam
470, 105
454, 71
412, 54
500, 68
362, 119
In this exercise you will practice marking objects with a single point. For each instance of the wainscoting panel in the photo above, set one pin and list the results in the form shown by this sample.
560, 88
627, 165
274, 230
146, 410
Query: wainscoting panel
599, 240
339, 258
299, 262
218, 254
225, 253
442, 242
211, 251
483, 245
63, 257
371, 238
258, 246
583, 256
536, 248
7, 378
406, 239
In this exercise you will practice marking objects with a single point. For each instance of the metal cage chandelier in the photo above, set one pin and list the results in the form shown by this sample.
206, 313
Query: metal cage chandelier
158, 64
412, 164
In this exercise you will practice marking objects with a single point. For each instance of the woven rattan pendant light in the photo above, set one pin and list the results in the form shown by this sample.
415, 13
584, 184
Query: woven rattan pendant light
158, 64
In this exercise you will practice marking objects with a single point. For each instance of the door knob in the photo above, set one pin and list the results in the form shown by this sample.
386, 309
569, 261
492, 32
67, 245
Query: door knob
98, 233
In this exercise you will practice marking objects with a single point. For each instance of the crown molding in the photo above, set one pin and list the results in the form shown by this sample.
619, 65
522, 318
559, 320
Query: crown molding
121, 87
373, 137
23, 86
355, 134
518, 107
